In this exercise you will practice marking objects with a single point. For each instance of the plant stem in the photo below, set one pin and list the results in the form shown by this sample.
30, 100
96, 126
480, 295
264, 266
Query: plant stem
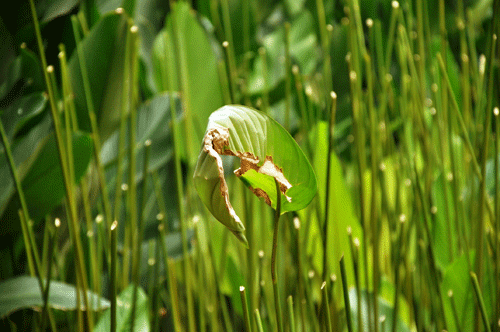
496, 112
273, 257
325, 45
248, 207
169, 267
246, 316
228, 34
136, 261
288, 77
346, 295
30, 251
258, 321
50, 255
93, 122
113, 280
182, 75
331, 125
265, 79
327, 307
480, 301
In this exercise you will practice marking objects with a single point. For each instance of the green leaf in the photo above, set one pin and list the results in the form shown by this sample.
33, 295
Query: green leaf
43, 185
341, 212
21, 111
185, 61
267, 152
153, 123
104, 53
48, 10
25, 150
24, 292
124, 312
23, 74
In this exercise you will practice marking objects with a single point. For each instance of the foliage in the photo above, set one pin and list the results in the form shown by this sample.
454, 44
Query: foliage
103, 110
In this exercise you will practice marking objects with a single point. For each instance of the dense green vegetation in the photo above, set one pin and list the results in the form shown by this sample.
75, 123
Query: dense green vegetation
393, 112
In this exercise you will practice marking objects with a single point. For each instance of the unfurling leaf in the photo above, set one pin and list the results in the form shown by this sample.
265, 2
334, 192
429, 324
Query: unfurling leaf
267, 154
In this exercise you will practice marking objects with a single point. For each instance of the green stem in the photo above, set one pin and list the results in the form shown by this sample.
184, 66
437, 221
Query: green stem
50, 255
260, 328
136, 261
291, 314
246, 316
480, 300
346, 295
30, 251
273, 257
113, 277
265, 92
496, 112
331, 125
399, 249
182, 75
454, 311
288, 77
93, 123
327, 307
226, 21
170, 276
392, 29
122, 129
325, 45
248, 204
465, 133
354, 244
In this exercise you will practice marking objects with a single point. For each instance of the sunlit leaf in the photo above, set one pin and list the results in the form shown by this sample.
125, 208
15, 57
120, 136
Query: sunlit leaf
266, 151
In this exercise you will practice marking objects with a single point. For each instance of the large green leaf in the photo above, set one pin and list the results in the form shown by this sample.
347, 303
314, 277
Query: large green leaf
43, 185
24, 292
124, 312
104, 53
183, 60
340, 213
267, 152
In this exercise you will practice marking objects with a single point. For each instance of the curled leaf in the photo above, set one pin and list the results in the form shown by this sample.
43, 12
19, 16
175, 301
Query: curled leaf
267, 154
